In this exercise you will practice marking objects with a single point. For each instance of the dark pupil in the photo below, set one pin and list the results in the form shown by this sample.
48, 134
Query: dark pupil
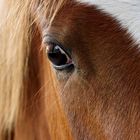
57, 57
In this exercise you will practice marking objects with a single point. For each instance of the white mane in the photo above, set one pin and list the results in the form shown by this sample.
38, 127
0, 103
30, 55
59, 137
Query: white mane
127, 12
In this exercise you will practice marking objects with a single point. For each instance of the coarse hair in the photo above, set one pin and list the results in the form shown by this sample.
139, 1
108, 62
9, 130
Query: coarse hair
15, 44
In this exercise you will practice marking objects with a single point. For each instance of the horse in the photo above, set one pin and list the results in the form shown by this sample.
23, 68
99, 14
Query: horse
69, 70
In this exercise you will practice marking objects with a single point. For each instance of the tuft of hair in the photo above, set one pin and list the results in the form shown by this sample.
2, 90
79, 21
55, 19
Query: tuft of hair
15, 44
17, 18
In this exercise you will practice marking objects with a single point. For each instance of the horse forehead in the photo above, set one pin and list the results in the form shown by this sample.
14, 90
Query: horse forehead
127, 12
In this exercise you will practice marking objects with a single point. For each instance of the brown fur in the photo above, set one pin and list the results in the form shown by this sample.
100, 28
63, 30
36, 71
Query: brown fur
100, 99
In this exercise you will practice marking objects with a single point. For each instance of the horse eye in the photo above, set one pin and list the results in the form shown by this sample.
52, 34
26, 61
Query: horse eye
58, 56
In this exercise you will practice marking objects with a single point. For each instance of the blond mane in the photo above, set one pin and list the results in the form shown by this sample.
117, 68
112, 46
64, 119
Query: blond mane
15, 38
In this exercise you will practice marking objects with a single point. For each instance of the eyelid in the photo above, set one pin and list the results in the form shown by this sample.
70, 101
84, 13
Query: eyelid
49, 40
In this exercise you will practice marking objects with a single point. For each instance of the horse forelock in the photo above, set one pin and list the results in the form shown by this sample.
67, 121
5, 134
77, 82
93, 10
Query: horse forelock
127, 12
